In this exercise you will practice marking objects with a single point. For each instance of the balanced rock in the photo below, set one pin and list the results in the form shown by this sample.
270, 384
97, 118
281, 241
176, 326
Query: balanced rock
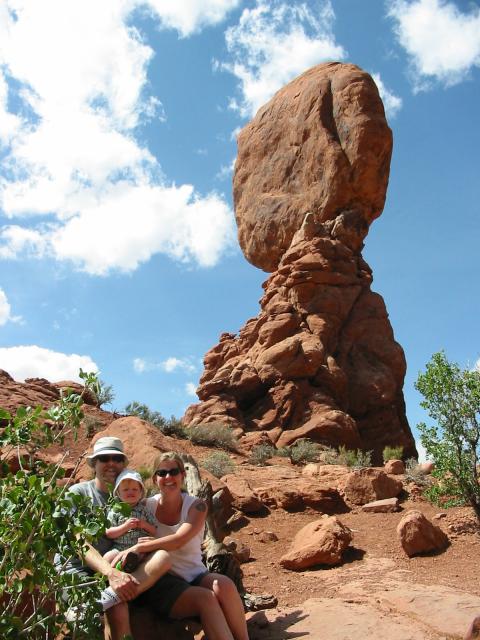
418, 535
320, 360
320, 542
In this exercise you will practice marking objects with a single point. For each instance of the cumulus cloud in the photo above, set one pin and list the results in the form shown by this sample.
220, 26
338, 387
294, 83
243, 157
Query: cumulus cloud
391, 102
75, 176
169, 365
274, 42
36, 362
190, 16
442, 42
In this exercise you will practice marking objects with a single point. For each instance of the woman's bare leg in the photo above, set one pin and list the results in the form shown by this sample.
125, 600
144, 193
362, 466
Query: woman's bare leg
197, 601
230, 602
154, 567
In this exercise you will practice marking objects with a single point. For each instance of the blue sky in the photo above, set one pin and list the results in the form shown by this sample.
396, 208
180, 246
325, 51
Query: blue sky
117, 140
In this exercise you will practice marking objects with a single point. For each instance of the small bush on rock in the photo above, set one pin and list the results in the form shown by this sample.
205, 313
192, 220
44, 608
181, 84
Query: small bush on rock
170, 427
219, 464
392, 453
213, 434
415, 474
261, 453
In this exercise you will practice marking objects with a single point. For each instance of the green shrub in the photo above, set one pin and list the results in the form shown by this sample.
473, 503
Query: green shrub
92, 425
303, 451
213, 434
103, 393
39, 519
218, 463
355, 458
452, 399
392, 453
261, 453
170, 427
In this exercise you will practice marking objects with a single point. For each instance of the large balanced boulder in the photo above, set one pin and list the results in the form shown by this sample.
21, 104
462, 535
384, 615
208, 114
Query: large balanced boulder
320, 360
418, 535
320, 542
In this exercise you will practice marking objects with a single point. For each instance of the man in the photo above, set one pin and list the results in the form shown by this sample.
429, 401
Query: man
108, 460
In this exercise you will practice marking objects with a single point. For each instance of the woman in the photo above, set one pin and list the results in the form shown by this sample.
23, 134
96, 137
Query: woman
190, 590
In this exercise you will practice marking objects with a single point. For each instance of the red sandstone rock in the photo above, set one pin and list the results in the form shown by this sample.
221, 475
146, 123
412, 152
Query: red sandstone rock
320, 542
394, 467
419, 535
368, 485
320, 360
389, 505
298, 494
244, 498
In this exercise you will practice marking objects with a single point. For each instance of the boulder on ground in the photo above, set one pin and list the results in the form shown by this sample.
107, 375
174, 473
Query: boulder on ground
300, 493
367, 485
394, 467
320, 542
389, 505
243, 495
418, 535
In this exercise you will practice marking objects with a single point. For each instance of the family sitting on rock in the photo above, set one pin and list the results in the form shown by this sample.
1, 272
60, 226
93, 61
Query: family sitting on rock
154, 555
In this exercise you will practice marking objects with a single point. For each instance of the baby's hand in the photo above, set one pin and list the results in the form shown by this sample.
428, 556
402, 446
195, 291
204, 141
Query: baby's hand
132, 523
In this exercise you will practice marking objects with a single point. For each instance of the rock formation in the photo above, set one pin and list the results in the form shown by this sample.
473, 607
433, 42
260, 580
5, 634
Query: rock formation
320, 360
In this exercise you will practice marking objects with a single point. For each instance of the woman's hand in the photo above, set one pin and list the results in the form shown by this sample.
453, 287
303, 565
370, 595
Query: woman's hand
144, 544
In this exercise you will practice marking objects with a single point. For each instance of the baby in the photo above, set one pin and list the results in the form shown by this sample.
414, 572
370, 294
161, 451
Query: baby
126, 530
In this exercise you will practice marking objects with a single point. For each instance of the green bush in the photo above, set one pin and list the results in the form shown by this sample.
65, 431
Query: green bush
39, 519
103, 393
213, 434
170, 427
392, 453
355, 458
218, 463
261, 453
304, 451
452, 400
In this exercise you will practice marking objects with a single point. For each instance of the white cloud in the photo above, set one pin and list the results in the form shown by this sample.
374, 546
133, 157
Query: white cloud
189, 16
36, 362
391, 102
477, 365
273, 43
6, 310
80, 184
226, 171
171, 364
190, 388
443, 43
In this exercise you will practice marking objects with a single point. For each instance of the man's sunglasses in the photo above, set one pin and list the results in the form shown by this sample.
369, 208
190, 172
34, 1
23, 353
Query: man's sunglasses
163, 473
113, 458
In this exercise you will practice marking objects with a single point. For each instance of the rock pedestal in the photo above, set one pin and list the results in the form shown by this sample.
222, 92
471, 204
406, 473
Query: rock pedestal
320, 360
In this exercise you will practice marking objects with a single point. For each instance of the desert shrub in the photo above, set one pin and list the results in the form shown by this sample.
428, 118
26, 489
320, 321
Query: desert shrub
103, 393
261, 453
213, 434
355, 458
169, 426
303, 451
92, 425
452, 399
283, 452
218, 463
392, 453
39, 518
414, 473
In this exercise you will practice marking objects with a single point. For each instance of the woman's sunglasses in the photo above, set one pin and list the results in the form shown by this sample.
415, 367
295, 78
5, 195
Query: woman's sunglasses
163, 473
113, 458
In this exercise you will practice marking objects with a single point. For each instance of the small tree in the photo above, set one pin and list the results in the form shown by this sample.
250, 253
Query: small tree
38, 520
452, 399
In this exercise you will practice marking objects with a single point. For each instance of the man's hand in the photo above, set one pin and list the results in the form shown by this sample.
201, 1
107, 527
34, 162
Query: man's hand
124, 584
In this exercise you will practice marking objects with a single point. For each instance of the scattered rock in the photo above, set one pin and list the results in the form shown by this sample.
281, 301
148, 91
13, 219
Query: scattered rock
426, 467
368, 485
389, 505
320, 542
418, 535
268, 536
243, 496
394, 467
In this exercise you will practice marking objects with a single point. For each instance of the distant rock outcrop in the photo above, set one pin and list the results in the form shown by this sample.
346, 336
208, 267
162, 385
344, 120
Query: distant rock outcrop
320, 360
